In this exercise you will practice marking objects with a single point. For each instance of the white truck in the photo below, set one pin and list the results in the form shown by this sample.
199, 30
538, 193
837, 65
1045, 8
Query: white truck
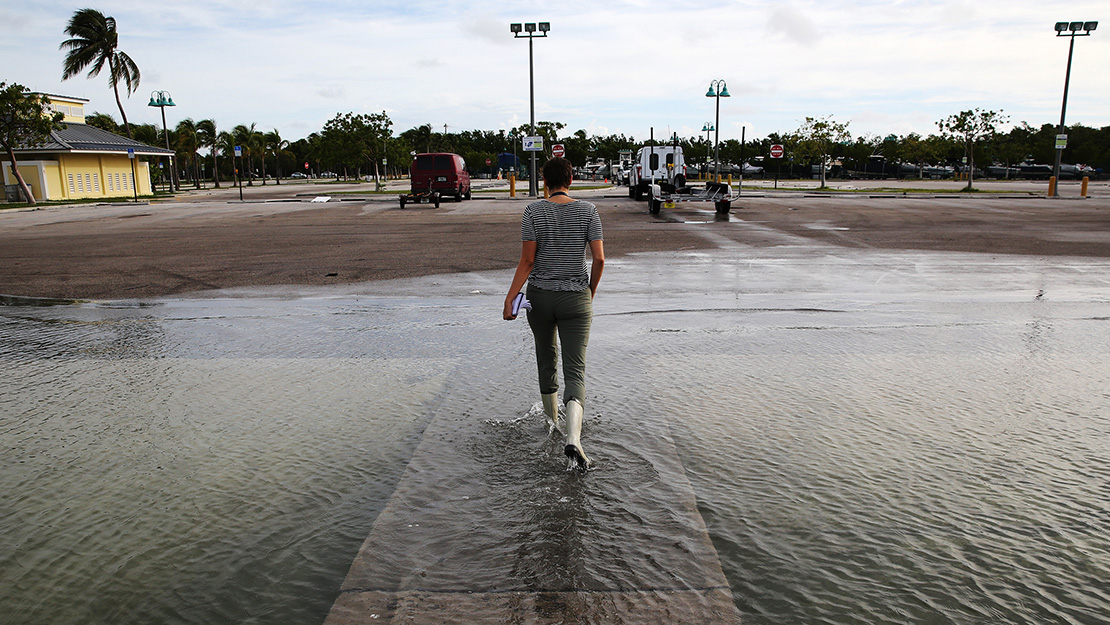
659, 174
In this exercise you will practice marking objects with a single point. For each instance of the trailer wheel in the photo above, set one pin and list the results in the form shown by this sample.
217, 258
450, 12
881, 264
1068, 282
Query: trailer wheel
722, 207
435, 198
654, 205
402, 202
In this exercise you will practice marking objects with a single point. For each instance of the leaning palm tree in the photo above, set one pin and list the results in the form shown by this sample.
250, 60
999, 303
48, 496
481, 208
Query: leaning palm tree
209, 138
94, 43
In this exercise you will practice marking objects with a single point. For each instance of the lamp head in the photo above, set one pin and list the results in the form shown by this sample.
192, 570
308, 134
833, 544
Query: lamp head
153, 102
1061, 26
545, 26
1089, 26
516, 27
530, 27
724, 90
711, 93
1075, 27
169, 100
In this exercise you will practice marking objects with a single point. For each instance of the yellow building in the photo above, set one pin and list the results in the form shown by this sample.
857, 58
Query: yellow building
81, 161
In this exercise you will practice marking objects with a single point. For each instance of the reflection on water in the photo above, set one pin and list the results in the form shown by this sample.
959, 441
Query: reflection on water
873, 438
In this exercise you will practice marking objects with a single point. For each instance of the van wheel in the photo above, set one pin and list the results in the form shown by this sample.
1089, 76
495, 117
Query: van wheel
467, 196
638, 194
458, 194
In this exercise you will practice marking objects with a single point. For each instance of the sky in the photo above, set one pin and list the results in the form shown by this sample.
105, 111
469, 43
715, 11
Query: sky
613, 67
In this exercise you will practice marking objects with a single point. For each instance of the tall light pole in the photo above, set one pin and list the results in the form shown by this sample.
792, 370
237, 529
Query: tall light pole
717, 89
530, 32
162, 99
707, 128
1067, 29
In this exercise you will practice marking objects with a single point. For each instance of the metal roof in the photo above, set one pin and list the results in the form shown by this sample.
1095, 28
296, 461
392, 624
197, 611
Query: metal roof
75, 138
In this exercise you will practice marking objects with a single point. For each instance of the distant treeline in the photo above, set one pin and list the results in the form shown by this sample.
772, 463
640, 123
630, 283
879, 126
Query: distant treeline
355, 146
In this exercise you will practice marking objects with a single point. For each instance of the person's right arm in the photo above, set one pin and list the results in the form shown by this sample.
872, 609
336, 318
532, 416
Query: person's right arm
597, 252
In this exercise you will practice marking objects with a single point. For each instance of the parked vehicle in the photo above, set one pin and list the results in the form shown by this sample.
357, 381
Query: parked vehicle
435, 175
656, 165
298, 175
441, 172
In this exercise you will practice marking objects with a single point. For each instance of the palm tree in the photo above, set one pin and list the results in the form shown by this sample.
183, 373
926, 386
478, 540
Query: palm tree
276, 145
188, 142
209, 138
244, 138
94, 43
225, 142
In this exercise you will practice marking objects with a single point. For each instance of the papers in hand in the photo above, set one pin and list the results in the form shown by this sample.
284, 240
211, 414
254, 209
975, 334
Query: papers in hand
520, 303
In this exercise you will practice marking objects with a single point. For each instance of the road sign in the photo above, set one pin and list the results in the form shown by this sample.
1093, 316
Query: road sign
558, 149
1061, 142
533, 144
238, 150
776, 151
131, 153
488, 161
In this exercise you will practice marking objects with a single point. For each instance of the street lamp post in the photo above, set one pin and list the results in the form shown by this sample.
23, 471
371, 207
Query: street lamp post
162, 99
530, 30
1067, 29
707, 128
717, 89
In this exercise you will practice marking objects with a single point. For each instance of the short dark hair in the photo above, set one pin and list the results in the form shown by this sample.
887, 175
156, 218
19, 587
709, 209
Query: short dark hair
557, 173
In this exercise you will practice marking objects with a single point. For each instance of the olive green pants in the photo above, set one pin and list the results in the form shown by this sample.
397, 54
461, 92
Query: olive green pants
566, 315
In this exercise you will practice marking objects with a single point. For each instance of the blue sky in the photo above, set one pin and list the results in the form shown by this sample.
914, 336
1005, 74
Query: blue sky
620, 66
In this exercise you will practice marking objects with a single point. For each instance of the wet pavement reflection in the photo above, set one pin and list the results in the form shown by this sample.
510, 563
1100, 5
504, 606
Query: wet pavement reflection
872, 436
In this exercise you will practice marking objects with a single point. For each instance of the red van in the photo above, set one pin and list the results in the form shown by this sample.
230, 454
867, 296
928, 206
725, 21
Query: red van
440, 171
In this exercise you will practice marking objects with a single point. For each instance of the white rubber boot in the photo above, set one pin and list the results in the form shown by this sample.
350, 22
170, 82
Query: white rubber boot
573, 447
551, 411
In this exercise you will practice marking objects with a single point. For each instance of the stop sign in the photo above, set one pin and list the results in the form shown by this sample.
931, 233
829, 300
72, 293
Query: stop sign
776, 151
558, 149
488, 161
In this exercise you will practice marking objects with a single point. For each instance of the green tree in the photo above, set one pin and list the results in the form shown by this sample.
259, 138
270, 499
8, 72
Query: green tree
226, 142
102, 121
209, 137
246, 139
815, 138
94, 44
276, 146
25, 120
970, 128
187, 142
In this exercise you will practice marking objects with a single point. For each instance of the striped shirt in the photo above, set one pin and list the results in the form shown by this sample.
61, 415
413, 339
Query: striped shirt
562, 233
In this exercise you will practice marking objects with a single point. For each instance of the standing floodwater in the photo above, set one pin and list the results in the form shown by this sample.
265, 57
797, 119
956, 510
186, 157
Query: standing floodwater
869, 437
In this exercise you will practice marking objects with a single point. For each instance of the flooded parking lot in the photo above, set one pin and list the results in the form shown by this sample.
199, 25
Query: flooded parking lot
865, 436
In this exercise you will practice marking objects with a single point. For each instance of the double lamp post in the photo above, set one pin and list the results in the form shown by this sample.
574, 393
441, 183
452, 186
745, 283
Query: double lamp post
162, 99
529, 31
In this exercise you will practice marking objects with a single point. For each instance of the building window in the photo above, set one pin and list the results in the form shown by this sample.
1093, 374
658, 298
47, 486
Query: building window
111, 183
80, 184
96, 182
72, 189
88, 183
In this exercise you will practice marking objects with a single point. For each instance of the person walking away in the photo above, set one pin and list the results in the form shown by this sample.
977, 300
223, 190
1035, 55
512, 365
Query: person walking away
555, 234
